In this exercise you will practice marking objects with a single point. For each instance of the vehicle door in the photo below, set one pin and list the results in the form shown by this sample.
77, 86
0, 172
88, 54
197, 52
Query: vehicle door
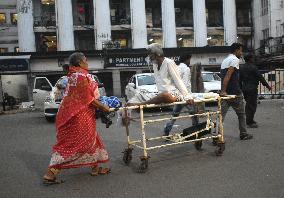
42, 88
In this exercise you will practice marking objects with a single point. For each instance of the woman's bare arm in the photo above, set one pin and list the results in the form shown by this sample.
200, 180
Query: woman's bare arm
100, 106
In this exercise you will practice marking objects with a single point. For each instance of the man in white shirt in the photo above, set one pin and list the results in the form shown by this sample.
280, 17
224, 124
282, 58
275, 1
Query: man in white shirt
231, 86
169, 83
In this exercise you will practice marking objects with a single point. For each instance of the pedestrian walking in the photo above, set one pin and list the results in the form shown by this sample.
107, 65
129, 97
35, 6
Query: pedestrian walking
185, 73
250, 78
231, 86
78, 142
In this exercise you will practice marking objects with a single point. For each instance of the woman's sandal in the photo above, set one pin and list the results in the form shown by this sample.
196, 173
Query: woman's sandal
51, 181
100, 171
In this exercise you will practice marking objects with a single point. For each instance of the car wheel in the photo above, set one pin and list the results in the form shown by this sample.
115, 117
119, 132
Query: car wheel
50, 119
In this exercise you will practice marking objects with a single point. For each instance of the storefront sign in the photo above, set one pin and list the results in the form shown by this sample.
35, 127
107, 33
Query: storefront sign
127, 61
140, 61
14, 65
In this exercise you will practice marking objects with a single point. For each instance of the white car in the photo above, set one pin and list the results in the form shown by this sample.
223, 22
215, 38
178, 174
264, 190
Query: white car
146, 81
138, 82
211, 81
48, 98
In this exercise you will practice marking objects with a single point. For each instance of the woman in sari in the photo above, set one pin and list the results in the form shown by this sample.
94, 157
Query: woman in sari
78, 143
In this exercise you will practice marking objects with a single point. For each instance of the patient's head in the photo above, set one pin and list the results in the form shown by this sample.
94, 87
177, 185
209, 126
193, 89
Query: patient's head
155, 52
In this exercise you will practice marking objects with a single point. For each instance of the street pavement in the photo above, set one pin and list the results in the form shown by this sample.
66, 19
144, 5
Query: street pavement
252, 169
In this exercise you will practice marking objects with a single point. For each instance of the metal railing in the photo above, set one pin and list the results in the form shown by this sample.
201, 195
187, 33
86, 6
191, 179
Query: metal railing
275, 79
271, 46
47, 19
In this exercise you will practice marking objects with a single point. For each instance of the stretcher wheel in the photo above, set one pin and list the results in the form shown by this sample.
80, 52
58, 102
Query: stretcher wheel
214, 141
220, 148
143, 165
127, 156
198, 145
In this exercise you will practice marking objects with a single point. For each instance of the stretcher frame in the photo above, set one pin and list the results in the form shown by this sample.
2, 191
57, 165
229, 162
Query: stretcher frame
175, 139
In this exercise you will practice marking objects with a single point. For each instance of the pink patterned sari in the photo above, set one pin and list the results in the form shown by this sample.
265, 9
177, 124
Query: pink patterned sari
78, 143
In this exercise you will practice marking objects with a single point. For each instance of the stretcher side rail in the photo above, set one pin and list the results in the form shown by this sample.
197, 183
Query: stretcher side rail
172, 104
179, 138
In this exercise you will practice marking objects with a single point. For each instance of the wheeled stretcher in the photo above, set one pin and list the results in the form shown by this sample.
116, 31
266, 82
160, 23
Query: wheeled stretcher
212, 128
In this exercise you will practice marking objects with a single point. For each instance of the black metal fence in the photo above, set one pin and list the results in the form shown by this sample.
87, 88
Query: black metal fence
275, 79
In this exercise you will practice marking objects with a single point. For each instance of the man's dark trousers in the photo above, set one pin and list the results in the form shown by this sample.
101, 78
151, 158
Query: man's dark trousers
251, 104
238, 105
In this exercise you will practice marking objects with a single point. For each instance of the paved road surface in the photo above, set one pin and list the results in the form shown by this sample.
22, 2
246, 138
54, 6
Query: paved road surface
247, 169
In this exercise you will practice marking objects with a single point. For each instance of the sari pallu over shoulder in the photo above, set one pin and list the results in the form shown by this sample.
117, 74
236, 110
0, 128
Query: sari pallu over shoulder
79, 94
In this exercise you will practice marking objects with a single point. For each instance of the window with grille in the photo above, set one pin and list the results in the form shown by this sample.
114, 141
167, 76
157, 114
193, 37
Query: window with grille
264, 7
14, 18
2, 18
265, 34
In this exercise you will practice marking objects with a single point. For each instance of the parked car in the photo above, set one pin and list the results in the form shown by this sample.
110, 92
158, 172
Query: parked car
146, 81
46, 95
212, 82
140, 82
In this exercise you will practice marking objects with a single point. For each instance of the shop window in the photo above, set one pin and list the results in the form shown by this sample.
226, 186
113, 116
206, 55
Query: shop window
214, 13
184, 16
3, 50
84, 12
47, 15
14, 18
16, 49
2, 18
243, 17
120, 13
47, 43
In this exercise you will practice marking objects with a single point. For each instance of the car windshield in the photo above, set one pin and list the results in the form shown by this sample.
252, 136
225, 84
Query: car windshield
146, 80
207, 77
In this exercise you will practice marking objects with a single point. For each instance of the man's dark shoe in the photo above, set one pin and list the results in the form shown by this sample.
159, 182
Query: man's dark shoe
253, 125
246, 136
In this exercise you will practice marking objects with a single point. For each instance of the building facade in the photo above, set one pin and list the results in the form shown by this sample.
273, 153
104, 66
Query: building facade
48, 28
8, 26
268, 26
90, 25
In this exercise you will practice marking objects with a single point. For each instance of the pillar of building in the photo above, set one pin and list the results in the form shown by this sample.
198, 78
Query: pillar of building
116, 83
102, 23
138, 24
230, 22
25, 23
65, 30
200, 26
169, 24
